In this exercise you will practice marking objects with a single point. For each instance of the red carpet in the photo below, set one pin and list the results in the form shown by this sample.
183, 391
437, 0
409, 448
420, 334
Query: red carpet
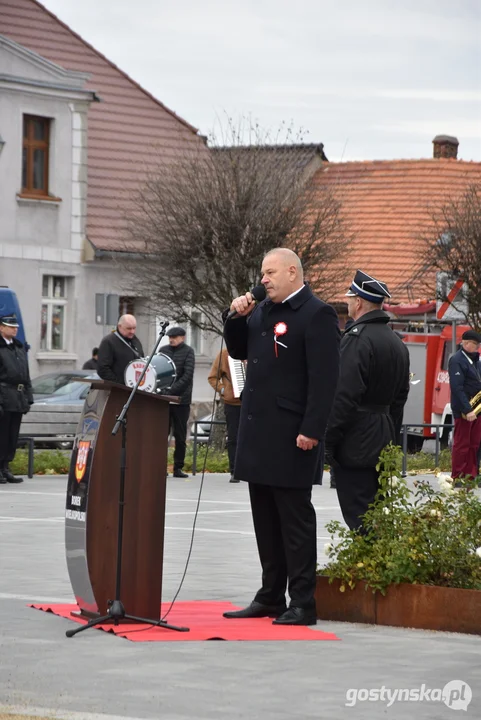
205, 622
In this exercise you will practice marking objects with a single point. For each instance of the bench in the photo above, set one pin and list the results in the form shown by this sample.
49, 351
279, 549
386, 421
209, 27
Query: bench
49, 424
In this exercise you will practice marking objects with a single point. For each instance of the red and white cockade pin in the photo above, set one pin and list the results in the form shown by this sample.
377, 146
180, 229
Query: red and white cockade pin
279, 329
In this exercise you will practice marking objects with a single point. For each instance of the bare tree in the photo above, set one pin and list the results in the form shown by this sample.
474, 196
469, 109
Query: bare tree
201, 225
453, 246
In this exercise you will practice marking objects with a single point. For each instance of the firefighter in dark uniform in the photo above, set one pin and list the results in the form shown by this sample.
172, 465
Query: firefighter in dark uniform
465, 383
371, 394
15, 393
291, 343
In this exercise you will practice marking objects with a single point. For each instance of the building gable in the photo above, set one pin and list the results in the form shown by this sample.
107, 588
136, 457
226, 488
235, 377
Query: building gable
127, 131
19, 64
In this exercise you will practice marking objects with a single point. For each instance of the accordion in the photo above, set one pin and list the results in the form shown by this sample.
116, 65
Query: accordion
238, 375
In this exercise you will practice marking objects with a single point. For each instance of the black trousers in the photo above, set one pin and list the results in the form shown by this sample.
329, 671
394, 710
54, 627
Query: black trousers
356, 489
179, 417
9, 432
232, 417
285, 527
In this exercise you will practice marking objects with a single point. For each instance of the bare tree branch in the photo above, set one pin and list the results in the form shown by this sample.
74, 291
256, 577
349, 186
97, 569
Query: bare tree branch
202, 224
453, 246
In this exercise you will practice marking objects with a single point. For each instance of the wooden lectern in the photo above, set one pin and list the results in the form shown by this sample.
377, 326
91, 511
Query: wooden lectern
92, 509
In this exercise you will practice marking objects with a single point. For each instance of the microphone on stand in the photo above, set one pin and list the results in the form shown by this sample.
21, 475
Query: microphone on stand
258, 293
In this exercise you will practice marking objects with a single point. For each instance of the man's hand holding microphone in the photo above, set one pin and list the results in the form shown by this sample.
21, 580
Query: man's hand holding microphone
245, 304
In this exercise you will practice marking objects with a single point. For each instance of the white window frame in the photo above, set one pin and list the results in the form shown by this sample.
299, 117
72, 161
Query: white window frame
50, 301
190, 331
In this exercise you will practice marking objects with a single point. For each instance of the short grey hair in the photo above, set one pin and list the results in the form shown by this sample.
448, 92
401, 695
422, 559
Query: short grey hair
290, 257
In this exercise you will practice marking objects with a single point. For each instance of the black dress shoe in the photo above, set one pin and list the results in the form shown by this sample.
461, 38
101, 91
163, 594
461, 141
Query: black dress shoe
11, 478
256, 610
180, 474
233, 479
3, 479
296, 616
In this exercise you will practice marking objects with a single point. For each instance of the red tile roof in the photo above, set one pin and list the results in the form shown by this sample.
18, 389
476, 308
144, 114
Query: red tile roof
122, 129
388, 204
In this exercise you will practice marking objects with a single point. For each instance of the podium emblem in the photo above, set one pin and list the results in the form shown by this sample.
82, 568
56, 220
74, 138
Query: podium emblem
82, 455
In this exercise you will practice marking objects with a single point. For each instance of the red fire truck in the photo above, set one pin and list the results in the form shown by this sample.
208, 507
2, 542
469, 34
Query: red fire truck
430, 345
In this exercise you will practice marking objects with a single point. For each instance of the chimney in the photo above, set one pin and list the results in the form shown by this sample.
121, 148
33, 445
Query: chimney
445, 146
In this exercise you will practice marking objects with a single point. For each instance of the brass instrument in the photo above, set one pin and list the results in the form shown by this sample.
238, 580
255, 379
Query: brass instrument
475, 403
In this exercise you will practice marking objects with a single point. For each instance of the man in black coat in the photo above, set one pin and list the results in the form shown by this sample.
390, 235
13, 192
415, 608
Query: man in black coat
371, 394
118, 349
15, 393
465, 383
291, 343
183, 357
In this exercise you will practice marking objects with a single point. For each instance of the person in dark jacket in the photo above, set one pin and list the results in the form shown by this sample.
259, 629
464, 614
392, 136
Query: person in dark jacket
184, 360
291, 343
332, 470
465, 382
15, 393
371, 394
118, 349
93, 362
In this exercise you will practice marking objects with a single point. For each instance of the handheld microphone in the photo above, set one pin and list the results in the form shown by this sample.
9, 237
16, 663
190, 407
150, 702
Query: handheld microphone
258, 293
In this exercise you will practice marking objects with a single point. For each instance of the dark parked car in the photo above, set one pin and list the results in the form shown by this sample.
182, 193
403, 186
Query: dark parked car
49, 384
203, 429
72, 393
69, 392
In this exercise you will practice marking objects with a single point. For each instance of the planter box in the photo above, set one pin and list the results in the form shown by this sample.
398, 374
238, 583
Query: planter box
426, 607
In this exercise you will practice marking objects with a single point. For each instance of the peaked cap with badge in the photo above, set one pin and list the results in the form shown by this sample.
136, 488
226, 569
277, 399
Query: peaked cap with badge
9, 320
368, 288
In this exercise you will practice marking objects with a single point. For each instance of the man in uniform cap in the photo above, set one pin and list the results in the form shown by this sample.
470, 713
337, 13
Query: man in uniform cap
183, 357
15, 393
465, 383
371, 393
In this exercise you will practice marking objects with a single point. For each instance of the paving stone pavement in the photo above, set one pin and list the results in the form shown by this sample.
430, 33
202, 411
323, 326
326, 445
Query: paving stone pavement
96, 676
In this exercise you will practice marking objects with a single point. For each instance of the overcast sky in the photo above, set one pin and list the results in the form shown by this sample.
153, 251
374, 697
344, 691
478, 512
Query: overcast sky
371, 79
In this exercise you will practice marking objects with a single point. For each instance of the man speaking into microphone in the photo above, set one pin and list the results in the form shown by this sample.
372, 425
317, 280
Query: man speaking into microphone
291, 342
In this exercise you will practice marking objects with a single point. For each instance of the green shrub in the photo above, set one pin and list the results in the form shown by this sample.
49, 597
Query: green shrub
45, 462
431, 537
424, 462
57, 461
217, 462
